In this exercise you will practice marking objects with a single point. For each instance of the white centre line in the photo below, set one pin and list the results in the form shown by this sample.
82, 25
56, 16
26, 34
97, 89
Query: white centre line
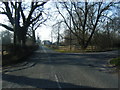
57, 82
52, 69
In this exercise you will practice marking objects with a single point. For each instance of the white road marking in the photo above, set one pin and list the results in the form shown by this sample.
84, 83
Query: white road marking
52, 69
44, 50
0, 69
57, 82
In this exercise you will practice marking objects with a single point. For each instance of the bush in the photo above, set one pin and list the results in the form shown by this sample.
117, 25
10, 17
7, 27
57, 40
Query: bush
17, 53
115, 61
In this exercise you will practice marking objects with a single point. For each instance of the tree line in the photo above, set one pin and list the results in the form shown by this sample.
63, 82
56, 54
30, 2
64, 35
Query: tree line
87, 23
24, 19
90, 23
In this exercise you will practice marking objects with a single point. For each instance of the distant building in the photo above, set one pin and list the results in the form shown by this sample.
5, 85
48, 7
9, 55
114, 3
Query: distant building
47, 42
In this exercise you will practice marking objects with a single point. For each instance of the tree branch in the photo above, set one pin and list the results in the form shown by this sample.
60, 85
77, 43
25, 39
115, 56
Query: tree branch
22, 14
9, 14
66, 21
7, 27
32, 10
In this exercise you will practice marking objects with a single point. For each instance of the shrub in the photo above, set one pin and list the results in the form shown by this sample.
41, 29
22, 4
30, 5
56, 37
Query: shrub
115, 61
17, 53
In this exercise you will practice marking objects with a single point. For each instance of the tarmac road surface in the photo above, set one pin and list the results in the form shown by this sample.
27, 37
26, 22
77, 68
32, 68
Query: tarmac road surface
49, 69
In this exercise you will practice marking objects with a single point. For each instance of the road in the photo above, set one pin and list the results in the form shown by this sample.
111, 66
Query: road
50, 69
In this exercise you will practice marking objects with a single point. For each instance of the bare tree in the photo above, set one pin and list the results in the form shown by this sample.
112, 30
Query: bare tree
6, 37
56, 29
85, 18
34, 26
16, 14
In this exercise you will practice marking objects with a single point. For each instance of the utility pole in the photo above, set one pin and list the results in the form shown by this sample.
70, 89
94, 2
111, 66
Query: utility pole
51, 37
70, 27
58, 38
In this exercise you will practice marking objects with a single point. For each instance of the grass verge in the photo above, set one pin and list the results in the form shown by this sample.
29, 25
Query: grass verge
78, 51
116, 62
66, 49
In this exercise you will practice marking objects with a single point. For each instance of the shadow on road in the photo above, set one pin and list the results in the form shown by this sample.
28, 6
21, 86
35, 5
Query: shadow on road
37, 83
19, 67
93, 60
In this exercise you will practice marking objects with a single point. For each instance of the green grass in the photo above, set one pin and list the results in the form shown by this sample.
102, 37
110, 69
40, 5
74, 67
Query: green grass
115, 61
68, 51
76, 51
65, 49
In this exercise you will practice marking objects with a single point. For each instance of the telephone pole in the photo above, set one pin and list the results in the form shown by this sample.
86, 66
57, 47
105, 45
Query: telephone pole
70, 27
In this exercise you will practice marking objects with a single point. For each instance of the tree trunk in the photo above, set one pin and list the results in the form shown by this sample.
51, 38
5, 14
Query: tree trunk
21, 35
24, 32
34, 40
